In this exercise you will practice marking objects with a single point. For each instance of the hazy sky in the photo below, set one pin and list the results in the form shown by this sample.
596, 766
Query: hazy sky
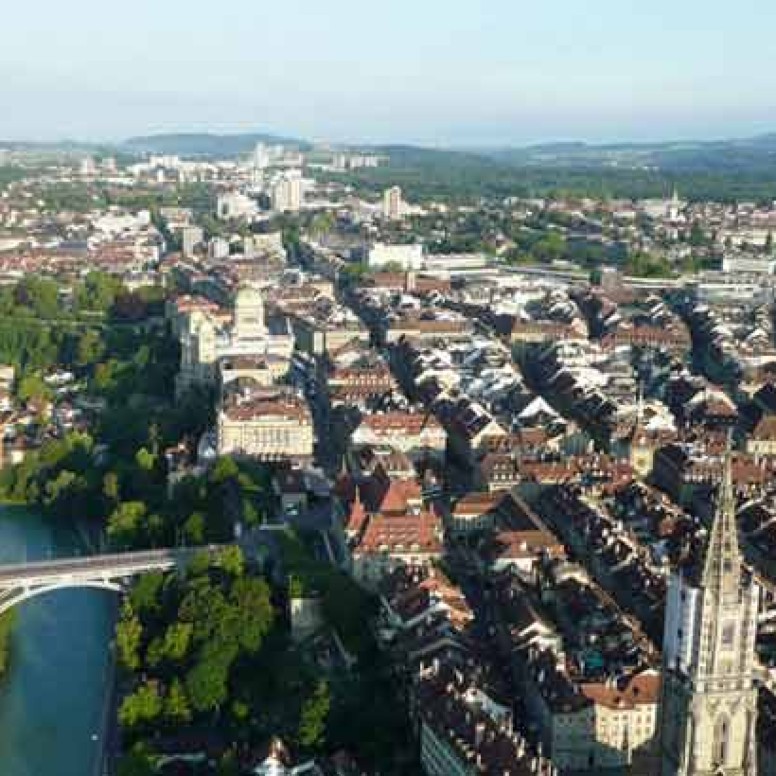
452, 72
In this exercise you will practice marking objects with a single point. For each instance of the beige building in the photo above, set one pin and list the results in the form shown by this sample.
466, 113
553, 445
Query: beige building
762, 442
596, 726
318, 337
269, 426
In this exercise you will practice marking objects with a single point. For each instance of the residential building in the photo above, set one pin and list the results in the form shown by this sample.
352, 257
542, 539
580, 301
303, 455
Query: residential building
762, 441
393, 205
404, 257
233, 205
287, 193
419, 435
191, 238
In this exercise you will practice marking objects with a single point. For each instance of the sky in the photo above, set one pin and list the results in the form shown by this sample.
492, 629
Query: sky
458, 72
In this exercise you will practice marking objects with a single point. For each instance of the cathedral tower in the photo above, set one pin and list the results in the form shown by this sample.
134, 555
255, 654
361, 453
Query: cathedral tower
709, 701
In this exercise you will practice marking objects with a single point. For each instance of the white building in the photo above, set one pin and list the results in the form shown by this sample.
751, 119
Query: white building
261, 157
405, 257
287, 193
218, 248
233, 205
393, 204
269, 246
191, 237
748, 263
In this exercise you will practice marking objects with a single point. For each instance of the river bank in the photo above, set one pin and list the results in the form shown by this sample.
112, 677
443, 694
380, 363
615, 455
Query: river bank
6, 627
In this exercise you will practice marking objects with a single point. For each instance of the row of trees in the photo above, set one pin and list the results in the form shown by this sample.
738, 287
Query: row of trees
98, 296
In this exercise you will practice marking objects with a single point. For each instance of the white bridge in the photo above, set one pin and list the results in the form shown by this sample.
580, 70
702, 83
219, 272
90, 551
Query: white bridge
20, 581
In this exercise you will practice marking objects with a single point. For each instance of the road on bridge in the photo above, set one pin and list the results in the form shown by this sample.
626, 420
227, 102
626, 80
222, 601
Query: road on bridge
118, 564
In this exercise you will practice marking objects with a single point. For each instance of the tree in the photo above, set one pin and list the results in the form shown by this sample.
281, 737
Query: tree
177, 639
129, 633
251, 514
56, 490
176, 704
144, 596
98, 292
144, 705
224, 469
41, 295
137, 762
199, 564
32, 388
194, 528
232, 560
90, 348
110, 487
229, 764
125, 522
206, 683
145, 459
251, 598
315, 712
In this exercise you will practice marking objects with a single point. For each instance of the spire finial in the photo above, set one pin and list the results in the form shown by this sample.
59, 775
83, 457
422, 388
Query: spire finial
722, 564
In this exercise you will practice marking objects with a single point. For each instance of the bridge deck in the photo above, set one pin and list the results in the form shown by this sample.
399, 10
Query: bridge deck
114, 563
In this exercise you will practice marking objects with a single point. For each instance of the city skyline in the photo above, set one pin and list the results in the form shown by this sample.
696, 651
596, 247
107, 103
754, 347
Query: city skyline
435, 75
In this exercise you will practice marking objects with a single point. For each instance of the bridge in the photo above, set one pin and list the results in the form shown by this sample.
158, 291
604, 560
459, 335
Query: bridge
20, 581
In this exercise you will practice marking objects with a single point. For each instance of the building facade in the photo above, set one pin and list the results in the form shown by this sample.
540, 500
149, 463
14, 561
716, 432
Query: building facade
266, 427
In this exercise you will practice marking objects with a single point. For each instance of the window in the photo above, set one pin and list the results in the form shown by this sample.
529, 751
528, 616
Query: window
728, 635
721, 733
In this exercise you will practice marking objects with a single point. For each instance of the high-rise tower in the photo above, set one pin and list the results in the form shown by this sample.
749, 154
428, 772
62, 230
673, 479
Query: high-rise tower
709, 701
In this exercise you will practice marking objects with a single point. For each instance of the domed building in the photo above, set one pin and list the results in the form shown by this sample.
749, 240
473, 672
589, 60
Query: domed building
212, 351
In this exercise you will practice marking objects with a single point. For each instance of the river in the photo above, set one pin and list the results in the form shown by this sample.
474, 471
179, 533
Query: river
52, 700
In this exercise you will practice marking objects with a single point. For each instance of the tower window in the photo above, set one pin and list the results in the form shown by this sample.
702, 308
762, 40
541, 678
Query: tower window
721, 734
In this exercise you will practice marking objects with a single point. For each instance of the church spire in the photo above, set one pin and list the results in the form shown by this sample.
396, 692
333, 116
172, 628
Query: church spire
722, 562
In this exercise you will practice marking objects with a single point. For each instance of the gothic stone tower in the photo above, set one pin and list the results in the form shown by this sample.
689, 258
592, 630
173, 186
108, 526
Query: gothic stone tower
709, 698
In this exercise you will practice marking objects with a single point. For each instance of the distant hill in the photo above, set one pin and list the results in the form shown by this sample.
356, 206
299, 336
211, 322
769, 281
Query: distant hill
207, 144
753, 155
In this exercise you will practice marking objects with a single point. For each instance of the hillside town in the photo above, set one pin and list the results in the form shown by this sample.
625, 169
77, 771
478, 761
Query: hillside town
535, 432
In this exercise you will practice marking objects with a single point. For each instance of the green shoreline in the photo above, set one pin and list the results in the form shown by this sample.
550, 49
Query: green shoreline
7, 622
